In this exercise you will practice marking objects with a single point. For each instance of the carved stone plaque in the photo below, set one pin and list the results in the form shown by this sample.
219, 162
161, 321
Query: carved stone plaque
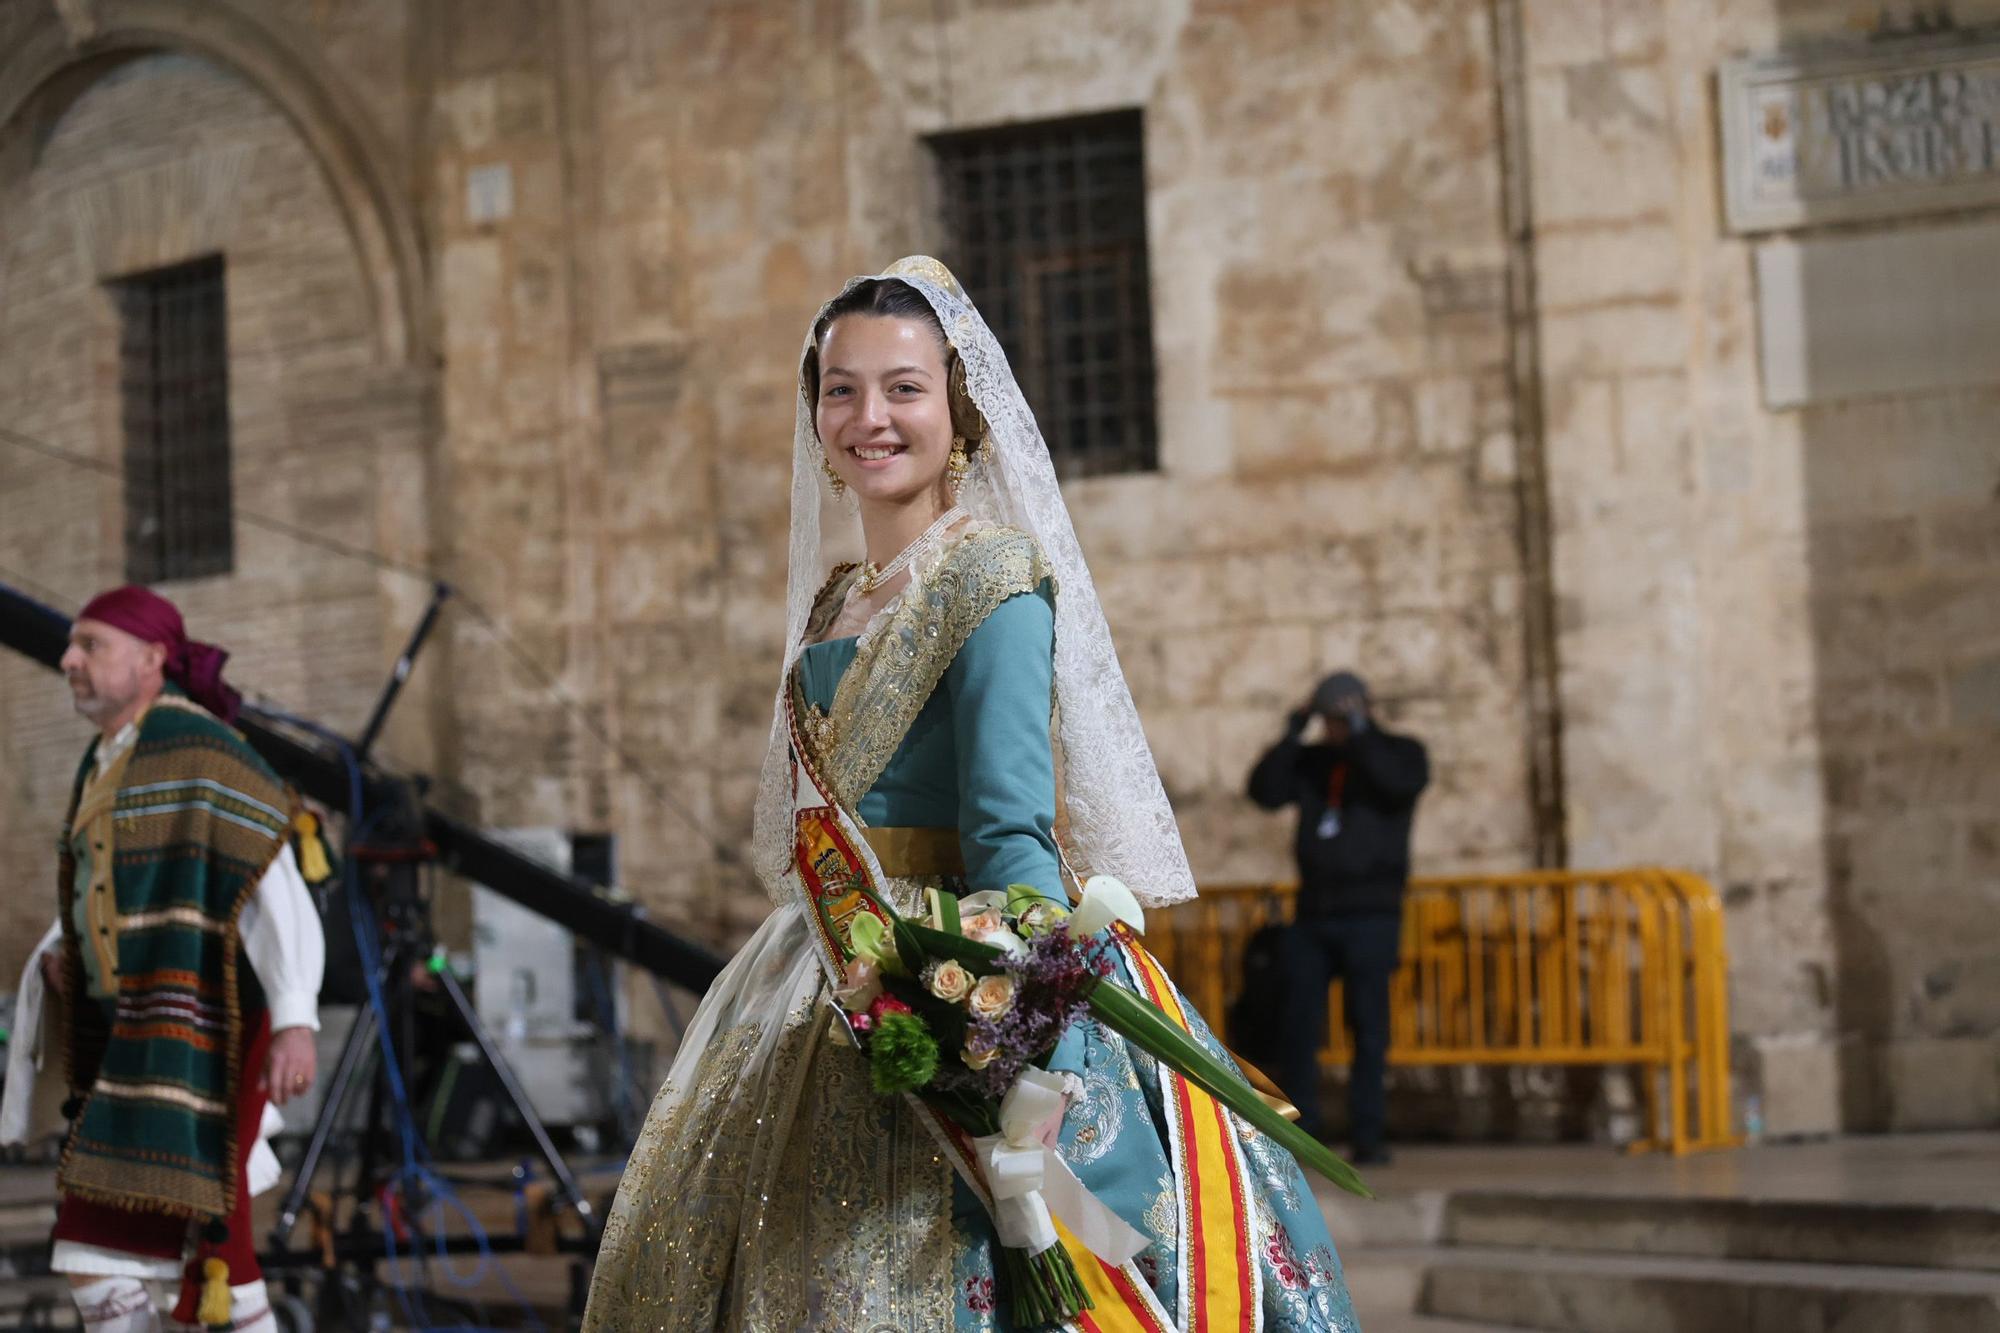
1894, 128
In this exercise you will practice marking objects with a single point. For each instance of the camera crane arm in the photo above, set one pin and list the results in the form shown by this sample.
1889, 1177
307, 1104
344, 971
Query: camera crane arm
621, 929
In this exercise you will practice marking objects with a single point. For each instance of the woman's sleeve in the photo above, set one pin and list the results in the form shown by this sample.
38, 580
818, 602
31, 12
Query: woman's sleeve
1000, 690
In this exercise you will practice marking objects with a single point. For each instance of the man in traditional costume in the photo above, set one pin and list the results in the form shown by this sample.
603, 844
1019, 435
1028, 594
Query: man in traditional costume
175, 868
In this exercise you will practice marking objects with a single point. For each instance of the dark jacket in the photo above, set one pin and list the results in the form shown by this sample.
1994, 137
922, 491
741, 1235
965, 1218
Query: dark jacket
1365, 865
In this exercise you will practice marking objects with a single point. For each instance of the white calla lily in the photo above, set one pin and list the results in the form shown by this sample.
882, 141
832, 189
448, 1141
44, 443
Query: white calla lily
1105, 900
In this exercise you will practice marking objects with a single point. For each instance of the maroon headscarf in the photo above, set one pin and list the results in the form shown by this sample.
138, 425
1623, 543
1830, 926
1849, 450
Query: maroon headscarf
194, 666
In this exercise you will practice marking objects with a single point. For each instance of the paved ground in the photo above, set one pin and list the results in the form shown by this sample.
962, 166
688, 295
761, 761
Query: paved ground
1386, 1243
1902, 1168
1374, 1237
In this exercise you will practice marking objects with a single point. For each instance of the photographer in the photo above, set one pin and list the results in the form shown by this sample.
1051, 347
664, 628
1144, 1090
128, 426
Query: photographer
1356, 791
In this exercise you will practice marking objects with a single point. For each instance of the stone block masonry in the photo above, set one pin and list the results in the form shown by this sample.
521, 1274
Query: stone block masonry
516, 292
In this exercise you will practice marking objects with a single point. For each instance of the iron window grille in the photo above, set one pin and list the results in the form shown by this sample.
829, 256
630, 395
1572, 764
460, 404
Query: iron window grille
173, 354
1047, 230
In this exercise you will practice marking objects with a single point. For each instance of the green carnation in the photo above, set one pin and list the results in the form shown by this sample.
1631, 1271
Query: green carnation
902, 1054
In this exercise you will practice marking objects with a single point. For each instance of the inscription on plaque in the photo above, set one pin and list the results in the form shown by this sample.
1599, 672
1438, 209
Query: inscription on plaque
1906, 127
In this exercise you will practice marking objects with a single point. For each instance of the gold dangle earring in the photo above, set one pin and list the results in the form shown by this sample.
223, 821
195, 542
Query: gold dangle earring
964, 413
839, 486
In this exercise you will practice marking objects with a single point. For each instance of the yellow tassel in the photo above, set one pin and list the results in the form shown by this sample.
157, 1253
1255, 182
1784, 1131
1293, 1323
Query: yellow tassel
312, 851
213, 1310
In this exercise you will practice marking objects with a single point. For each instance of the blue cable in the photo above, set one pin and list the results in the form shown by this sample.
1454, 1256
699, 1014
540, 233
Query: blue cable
416, 1168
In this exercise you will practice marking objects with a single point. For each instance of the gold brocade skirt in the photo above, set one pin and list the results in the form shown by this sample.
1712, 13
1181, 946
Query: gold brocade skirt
771, 1188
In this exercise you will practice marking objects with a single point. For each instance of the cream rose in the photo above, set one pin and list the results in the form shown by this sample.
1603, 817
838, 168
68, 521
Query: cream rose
992, 997
949, 981
989, 927
978, 1055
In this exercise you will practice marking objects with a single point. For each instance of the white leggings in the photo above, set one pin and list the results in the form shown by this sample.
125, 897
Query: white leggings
117, 1305
127, 1305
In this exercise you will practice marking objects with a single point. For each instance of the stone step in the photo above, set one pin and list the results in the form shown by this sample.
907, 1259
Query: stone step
1406, 1322
1412, 1218
1898, 1235
1384, 1280
1570, 1292
44, 1303
1386, 1284
26, 1219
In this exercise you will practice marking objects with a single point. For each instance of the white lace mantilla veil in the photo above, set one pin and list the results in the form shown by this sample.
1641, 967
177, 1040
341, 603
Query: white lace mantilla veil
1119, 821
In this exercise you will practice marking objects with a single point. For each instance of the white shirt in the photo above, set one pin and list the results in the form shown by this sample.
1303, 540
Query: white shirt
282, 939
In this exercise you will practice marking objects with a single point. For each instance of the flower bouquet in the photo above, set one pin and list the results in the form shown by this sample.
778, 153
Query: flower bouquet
964, 1007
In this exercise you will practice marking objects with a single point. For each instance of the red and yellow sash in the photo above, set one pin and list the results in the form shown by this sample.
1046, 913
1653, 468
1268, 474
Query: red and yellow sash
1121, 1300
832, 870
1221, 1283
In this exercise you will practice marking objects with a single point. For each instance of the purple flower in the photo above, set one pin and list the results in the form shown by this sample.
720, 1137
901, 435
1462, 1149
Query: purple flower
1052, 982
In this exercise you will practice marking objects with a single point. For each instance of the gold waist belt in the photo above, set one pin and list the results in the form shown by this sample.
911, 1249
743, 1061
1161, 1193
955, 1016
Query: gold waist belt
916, 853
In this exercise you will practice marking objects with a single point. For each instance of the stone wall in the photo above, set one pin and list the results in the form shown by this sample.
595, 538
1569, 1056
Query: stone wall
164, 159
1763, 615
1904, 501
1678, 528
1336, 479
525, 312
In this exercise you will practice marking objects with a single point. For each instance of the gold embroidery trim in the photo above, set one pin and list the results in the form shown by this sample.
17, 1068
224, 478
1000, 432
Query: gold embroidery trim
778, 1191
895, 672
95, 823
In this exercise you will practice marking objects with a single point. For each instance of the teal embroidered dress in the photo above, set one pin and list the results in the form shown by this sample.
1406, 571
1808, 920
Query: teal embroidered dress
773, 1189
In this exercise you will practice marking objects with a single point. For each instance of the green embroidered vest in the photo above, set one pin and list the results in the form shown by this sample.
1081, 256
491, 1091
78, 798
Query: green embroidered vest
179, 831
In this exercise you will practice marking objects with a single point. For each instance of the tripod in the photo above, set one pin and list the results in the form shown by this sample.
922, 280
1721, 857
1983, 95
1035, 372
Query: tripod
410, 963
390, 867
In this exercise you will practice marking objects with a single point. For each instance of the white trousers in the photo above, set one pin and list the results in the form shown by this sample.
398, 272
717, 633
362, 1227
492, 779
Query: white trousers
128, 1305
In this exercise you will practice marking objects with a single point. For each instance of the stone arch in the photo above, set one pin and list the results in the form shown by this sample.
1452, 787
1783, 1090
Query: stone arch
58, 58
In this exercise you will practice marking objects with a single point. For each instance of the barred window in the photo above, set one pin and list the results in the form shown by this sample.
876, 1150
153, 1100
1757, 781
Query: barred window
1047, 230
173, 357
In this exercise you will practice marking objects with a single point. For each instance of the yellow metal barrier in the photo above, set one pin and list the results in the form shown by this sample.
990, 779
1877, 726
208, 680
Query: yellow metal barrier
1544, 968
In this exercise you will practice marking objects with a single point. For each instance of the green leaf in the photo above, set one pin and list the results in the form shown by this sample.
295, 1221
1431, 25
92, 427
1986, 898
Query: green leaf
913, 954
1022, 896
947, 902
937, 944
899, 955
1142, 1023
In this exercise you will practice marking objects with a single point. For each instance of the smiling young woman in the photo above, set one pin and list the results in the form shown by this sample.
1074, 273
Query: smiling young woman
925, 702
896, 428
883, 414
